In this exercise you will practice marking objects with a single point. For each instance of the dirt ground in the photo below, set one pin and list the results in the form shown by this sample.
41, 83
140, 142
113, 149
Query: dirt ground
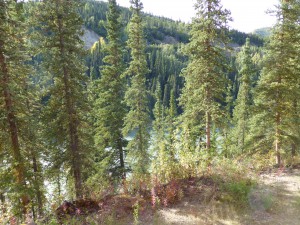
274, 200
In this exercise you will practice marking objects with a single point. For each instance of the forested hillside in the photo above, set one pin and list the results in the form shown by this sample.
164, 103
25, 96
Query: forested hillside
165, 43
155, 111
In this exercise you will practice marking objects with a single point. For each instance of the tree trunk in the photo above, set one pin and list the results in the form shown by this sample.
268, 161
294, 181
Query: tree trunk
208, 122
277, 140
243, 134
121, 155
58, 185
39, 194
2, 199
74, 141
208, 95
13, 130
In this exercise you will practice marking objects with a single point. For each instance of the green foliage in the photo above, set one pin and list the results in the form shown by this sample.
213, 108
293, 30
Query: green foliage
240, 38
244, 102
157, 29
267, 201
165, 43
163, 164
47, 124
278, 89
238, 192
205, 82
19, 145
264, 32
94, 60
109, 107
57, 38
136, 209
137, 119
235, 180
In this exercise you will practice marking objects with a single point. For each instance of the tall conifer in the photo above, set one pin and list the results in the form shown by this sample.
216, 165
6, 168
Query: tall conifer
13, 111
109, 107
278, 86
137, 120
205, 80
244, 102
60, 28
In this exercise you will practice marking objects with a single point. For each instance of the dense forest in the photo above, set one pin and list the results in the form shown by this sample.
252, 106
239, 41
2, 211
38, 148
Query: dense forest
151, 102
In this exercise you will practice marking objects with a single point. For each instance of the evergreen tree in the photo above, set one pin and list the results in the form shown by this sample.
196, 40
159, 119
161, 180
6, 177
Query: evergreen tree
59, 29
95, 60
13, 111
205, 80
137, 120
244, 102
159, 138
159, 115
35, 147
279, 84
109, 107
171, 125
164, 137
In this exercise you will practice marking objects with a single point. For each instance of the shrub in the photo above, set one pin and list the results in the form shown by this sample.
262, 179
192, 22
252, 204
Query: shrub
238, 192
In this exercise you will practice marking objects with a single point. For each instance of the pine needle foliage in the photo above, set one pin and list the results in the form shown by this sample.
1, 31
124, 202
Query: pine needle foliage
244, 101
14, 113
109, 106
137, 120
59, 28
205, 80
278, 88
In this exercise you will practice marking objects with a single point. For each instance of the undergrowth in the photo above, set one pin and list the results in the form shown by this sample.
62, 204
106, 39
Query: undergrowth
228, 181
235, 181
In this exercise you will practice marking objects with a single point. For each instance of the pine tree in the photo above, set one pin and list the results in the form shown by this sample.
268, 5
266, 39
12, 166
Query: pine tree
59, 29
159, 138
278, 86
171, 124
205, 81
137, 120
244, 102
159, 115
109, 107
163, 141
35, 147
95, 61
14, 77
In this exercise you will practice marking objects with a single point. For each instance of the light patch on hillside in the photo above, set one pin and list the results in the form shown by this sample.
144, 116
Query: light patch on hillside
89, 38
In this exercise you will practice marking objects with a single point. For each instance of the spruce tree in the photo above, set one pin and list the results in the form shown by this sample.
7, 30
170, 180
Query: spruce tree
159, 138
163, 138
109, 107
279, 84
59, 29
205, 82
137, 120
172, 118
35, 147
95, 61
13, 111
244, 101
